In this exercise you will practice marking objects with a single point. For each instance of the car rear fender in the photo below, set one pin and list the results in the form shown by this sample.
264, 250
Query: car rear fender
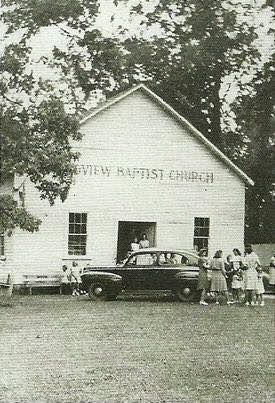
187, 276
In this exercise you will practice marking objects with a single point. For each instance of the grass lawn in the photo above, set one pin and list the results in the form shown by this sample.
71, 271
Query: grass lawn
68, 349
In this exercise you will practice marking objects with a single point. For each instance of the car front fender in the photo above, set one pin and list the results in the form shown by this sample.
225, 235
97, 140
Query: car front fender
102, 276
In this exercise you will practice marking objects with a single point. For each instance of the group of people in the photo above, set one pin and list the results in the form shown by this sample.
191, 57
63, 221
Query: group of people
232, 277
143, 243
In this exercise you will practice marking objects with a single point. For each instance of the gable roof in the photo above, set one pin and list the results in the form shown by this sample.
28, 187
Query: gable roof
195, 132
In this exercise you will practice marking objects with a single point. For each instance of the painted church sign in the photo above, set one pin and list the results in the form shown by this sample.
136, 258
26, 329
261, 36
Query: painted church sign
146, 174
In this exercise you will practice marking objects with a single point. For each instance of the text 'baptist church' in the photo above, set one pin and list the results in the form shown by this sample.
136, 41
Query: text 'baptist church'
154, 174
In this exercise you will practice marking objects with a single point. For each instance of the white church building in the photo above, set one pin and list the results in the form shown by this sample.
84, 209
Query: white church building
143, 168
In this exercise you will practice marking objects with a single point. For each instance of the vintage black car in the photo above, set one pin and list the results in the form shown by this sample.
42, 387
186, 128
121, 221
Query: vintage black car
146, 269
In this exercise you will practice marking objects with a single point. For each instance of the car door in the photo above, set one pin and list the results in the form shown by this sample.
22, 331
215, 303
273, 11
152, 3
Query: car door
170, 263
139, 272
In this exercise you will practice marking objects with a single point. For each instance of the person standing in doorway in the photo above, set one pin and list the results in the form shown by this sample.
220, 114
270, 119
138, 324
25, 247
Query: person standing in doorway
144, 242
203, 278
134, 245
251, 265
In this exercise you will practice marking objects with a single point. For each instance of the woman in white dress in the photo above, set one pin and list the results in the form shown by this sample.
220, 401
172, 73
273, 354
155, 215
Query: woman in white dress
251, 263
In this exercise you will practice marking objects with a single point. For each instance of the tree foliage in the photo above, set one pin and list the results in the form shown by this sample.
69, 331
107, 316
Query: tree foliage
35, 131
256, 118
39, 117
201, 45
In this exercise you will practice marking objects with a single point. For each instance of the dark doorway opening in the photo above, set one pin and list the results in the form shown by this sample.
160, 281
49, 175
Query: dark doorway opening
128, 230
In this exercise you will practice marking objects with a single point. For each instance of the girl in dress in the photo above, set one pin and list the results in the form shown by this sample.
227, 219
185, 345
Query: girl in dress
64, 281
203, 278
236, 264
75, 279
236, 286
218, 282
260, 288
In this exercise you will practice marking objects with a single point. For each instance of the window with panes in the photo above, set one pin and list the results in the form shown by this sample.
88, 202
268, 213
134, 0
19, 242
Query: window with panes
201, 232
77, 238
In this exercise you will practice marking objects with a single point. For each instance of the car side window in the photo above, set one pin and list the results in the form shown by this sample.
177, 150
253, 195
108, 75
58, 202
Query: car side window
173, 259
143, 259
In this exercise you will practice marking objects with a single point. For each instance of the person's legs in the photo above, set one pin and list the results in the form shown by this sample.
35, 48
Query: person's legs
253, 297
246, 297
234, 294
202, 300
73, 288
261, 299
238, 295
226, 293
249, 299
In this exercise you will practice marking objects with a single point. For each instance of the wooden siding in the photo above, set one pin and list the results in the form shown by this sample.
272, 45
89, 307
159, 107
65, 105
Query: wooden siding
136, 133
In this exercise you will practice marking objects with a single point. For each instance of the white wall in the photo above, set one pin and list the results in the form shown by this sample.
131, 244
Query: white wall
136, 133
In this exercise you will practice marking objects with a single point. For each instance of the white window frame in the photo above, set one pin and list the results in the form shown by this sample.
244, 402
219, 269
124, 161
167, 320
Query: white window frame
202, 237
71, 233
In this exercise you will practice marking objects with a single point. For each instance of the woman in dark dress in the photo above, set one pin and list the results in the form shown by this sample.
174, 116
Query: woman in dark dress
203, 278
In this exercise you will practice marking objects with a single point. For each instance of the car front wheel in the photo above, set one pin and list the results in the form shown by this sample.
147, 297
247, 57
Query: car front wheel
98, 291
186, 294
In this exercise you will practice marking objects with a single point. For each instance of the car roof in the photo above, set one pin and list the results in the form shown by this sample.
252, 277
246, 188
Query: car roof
167, 250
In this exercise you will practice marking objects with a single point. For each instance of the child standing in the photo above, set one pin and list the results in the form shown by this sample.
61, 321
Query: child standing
64, 281
236, 285
260, 288
74, 279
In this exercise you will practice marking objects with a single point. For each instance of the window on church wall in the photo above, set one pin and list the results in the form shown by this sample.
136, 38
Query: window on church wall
201, 232
77, 238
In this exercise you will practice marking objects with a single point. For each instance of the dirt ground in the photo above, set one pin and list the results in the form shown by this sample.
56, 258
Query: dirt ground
69, 349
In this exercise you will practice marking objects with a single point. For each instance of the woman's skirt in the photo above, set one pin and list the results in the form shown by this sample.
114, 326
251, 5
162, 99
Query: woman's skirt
250, 279
218, 282
203, 281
